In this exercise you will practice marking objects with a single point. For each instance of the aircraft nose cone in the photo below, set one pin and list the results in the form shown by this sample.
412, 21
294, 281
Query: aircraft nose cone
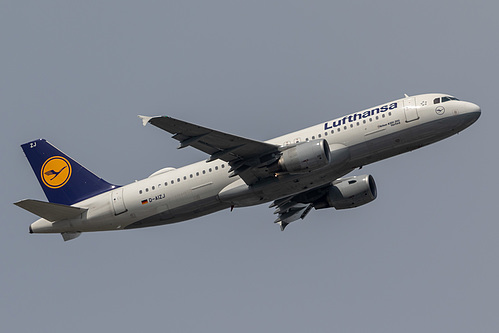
478, 111
470, 111
474, 111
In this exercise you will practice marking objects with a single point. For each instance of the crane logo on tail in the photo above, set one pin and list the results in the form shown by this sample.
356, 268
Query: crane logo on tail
56, 172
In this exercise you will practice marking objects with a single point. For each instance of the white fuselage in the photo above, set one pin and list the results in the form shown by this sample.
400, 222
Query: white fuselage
174, 195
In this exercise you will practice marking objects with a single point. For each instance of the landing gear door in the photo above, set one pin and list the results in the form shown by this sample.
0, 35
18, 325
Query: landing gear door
410, 109
118, 202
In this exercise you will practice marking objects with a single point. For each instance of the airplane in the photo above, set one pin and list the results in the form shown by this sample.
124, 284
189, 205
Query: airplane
296, 172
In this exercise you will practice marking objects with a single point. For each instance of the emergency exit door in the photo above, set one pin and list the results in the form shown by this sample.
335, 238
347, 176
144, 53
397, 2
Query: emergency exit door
410, 109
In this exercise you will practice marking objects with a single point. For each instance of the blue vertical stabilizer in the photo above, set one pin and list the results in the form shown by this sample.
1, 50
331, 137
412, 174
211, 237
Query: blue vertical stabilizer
63, 180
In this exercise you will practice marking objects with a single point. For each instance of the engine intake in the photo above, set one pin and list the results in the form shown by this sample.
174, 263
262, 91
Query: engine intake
305, 157
349, 192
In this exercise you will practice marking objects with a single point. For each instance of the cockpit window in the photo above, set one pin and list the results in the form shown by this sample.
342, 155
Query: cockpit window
444, 99
449, 98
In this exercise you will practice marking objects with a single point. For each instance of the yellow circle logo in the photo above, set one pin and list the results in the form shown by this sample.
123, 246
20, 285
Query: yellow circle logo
56, 172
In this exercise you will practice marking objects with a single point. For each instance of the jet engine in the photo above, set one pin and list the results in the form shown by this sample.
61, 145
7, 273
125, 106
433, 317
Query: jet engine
305, 157
349, 192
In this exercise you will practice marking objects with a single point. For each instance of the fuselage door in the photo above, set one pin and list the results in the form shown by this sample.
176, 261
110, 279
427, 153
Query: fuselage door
118, 202
410, 109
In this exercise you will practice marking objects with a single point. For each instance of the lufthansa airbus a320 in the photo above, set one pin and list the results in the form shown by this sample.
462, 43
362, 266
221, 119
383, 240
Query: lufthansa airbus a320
296, 172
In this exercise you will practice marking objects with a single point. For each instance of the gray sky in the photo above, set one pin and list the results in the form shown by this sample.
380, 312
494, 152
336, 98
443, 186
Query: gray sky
423, 257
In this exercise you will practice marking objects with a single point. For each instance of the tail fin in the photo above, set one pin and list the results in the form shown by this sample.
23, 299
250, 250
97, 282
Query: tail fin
63, 180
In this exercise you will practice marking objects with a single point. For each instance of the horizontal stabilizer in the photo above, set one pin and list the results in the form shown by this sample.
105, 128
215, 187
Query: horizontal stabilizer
50, 211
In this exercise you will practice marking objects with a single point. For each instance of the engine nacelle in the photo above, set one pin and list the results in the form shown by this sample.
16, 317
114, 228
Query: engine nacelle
305, 157
349, 192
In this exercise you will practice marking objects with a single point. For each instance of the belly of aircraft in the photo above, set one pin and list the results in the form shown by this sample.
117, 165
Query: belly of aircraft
268, 190
181, 213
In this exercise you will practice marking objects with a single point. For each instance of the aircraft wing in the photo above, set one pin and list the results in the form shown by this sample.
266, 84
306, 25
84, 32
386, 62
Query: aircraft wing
289, 211
295, 207
247, 158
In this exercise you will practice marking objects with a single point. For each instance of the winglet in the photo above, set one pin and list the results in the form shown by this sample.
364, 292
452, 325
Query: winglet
282, 224
145, 119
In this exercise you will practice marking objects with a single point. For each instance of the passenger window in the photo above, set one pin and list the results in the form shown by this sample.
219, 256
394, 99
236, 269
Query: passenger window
140, 192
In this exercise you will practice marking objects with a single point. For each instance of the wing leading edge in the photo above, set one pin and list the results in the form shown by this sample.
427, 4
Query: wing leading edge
248, 158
